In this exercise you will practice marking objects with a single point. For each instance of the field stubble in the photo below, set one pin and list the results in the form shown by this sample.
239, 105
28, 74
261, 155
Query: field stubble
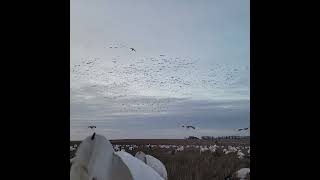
191, 165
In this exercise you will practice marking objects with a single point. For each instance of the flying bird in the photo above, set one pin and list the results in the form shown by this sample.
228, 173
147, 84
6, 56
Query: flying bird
132, 49
242, 129
92, 127
188, 127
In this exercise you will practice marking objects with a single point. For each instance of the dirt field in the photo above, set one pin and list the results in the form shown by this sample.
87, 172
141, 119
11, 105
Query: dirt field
189, 164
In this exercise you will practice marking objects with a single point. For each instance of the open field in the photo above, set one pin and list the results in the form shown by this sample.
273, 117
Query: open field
187, 163
227, 142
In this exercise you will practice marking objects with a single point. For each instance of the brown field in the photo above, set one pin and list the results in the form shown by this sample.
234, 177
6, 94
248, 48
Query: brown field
189, 164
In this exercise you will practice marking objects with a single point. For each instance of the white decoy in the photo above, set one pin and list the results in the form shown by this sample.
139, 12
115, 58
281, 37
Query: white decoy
154, 163
243, 173
139, 169
95, 159
240, 155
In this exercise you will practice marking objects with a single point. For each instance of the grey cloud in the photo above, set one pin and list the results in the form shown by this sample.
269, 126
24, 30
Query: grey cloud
125, 97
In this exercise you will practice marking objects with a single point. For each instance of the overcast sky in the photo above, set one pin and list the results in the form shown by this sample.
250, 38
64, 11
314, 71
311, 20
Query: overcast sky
189, 66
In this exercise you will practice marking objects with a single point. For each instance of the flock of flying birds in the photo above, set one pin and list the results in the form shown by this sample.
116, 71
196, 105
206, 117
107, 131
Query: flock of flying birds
243, 131
119, 78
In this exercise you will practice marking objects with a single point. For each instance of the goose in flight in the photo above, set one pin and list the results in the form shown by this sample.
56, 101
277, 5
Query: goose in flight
92, 127
188, 127
132, 49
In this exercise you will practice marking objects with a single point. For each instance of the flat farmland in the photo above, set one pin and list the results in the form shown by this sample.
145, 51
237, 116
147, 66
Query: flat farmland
183, 159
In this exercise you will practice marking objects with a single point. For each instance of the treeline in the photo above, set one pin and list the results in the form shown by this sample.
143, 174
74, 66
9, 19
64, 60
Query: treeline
211, 138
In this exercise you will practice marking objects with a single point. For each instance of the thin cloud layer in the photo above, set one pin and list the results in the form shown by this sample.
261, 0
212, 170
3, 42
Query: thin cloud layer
140, 70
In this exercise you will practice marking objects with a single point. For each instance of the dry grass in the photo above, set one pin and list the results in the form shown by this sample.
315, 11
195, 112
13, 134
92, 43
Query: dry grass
190, 165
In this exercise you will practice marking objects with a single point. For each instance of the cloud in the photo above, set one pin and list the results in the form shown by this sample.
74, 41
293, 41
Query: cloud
203, 75
207, 116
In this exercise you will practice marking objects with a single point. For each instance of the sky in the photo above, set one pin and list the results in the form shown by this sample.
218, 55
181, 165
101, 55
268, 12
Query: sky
190, 65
